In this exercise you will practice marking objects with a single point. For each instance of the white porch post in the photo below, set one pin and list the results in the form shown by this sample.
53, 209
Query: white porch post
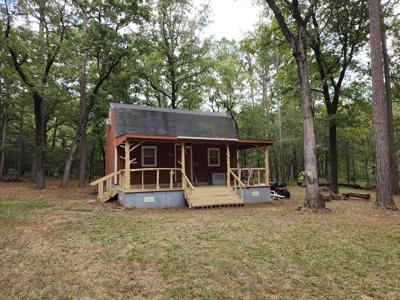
183, 164
228, 166
266, 165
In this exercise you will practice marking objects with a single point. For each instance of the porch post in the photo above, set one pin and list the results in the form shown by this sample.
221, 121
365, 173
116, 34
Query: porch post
228, 166
183, 164
266, 165
127, 165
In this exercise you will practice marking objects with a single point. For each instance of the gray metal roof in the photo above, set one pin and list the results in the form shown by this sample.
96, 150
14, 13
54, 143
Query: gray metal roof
136, 119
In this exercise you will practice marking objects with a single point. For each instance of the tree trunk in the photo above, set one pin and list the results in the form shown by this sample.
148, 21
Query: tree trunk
92, 152
366, 172
347, 168
82, 159
40, 133
310, 159
4, 123
384, 197
295, 168
83, 104
326, 168
354, 177
388, 93
69, 159
20, 144
333, 170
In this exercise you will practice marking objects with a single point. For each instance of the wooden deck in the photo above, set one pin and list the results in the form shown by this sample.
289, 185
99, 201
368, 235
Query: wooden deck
213, 196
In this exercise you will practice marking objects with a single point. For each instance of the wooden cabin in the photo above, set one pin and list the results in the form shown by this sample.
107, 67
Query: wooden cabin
157, 157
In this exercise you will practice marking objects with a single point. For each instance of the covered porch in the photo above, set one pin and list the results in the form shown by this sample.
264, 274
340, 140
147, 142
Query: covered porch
205, 172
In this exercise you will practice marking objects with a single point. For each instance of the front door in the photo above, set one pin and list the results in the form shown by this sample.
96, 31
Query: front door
188, 162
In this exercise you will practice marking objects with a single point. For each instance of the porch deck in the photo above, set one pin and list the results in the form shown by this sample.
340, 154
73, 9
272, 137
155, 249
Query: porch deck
211, 196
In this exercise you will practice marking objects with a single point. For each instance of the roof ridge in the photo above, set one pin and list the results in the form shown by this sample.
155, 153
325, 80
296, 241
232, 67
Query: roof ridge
152, 108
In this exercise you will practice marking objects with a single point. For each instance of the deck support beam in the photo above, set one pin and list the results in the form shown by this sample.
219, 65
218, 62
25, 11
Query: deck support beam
127, 179
266, 166
183, 164
228, 166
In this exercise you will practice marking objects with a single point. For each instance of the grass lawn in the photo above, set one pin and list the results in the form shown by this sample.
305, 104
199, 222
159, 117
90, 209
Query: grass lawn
56, 244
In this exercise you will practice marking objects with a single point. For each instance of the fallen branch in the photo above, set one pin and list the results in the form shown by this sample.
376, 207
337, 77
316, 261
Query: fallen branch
358, 195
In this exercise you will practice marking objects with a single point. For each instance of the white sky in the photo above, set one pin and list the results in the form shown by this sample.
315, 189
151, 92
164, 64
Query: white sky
231, 18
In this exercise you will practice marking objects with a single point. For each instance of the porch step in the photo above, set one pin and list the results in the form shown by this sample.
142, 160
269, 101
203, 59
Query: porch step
214, 196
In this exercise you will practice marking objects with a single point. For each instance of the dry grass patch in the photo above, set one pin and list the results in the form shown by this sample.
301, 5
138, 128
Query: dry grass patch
55, 244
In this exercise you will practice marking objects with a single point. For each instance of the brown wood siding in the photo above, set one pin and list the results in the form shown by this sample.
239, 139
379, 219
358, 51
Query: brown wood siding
202, 172
166, 159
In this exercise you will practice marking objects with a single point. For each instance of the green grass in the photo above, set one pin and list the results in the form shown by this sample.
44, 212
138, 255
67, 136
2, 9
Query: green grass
264, 251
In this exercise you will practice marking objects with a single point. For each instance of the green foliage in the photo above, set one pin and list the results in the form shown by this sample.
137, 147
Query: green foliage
157, 55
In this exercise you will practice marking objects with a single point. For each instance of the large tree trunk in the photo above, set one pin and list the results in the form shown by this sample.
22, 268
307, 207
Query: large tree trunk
310, 158
333, 170
388, 93
384, 197
83, 104
40, 133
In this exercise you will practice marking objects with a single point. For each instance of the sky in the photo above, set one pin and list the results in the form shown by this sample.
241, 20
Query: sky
231, 18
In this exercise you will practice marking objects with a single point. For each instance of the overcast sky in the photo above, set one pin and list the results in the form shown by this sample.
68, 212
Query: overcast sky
231, 18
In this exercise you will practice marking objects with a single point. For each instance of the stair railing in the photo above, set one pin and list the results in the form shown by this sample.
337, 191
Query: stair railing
188, 188
237, 183
105, 186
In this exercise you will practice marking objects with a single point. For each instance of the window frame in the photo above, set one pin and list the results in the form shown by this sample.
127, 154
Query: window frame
219, 157
155, 156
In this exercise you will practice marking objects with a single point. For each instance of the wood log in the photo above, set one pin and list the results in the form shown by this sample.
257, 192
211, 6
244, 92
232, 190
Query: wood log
358, 195
354, 186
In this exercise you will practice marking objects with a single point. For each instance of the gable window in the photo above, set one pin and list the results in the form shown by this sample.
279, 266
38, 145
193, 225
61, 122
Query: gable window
213, 157
149, 156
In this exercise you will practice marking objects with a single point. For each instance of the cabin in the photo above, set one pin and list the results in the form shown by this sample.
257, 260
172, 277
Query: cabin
158, 158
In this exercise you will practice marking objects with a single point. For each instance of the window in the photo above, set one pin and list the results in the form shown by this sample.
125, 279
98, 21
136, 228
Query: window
149, 156
213, 157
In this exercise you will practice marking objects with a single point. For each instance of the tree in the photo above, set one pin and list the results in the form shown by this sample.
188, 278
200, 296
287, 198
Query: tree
297, 40
337, 34
107, 46
388, 94
175, 56
33, 55
384, 197
225, 81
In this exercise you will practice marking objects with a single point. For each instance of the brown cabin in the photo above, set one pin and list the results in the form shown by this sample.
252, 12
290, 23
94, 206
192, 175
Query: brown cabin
169, 151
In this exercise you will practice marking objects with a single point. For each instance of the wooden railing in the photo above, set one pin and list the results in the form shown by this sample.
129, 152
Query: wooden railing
188, 188
251, 175
106, 190
158, 171
104, 186
237, 183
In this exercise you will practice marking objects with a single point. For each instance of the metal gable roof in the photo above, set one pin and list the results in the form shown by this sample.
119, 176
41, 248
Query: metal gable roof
136, 119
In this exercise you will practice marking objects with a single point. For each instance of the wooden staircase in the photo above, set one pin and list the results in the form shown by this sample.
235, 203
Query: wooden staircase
214, 196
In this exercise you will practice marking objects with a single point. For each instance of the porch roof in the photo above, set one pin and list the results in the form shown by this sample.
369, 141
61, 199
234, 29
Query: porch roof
241, 143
